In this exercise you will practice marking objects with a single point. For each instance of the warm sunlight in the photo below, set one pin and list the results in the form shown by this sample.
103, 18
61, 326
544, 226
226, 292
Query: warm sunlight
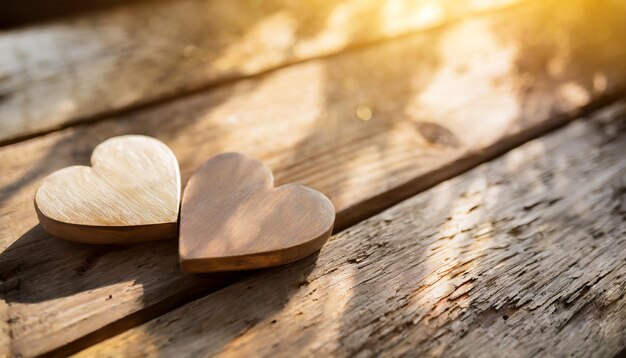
320, 178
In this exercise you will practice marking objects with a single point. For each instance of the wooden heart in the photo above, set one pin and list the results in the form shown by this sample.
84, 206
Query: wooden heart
232, 218
130, 194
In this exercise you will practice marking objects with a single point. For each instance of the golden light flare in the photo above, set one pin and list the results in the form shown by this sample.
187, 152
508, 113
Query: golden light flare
363, 113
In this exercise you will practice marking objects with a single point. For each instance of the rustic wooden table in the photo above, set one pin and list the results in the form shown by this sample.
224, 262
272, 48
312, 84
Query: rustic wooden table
475, 152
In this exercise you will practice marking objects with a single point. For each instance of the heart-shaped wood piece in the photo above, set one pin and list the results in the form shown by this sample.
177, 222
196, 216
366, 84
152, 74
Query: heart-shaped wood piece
232, 218
131, 193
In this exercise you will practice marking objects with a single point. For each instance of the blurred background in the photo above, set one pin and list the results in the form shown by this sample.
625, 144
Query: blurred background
65, 62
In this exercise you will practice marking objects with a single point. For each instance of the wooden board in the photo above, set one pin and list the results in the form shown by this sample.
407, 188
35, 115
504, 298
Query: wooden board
368, 129
523, 256
63, 72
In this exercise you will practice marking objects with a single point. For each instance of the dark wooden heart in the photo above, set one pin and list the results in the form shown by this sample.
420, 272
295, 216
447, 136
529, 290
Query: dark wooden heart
233, 218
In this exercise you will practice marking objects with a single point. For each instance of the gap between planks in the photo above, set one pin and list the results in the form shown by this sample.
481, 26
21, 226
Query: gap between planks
321, 145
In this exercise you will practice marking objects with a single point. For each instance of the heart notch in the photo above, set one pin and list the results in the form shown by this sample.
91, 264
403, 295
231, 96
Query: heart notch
131, 193
233, 218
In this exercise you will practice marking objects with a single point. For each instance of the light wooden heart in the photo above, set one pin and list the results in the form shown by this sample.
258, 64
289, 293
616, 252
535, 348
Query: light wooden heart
232, 218
131, 193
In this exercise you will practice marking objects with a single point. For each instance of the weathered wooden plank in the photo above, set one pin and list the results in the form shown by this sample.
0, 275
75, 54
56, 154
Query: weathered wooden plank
523, 256
367, 129
67, 71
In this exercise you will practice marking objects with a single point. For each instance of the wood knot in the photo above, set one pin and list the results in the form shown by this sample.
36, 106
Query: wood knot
437, 134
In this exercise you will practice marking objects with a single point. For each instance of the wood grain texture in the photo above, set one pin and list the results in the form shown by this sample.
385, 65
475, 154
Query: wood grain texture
233, 218
83, 68
440, 102
131, 193
523, 256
